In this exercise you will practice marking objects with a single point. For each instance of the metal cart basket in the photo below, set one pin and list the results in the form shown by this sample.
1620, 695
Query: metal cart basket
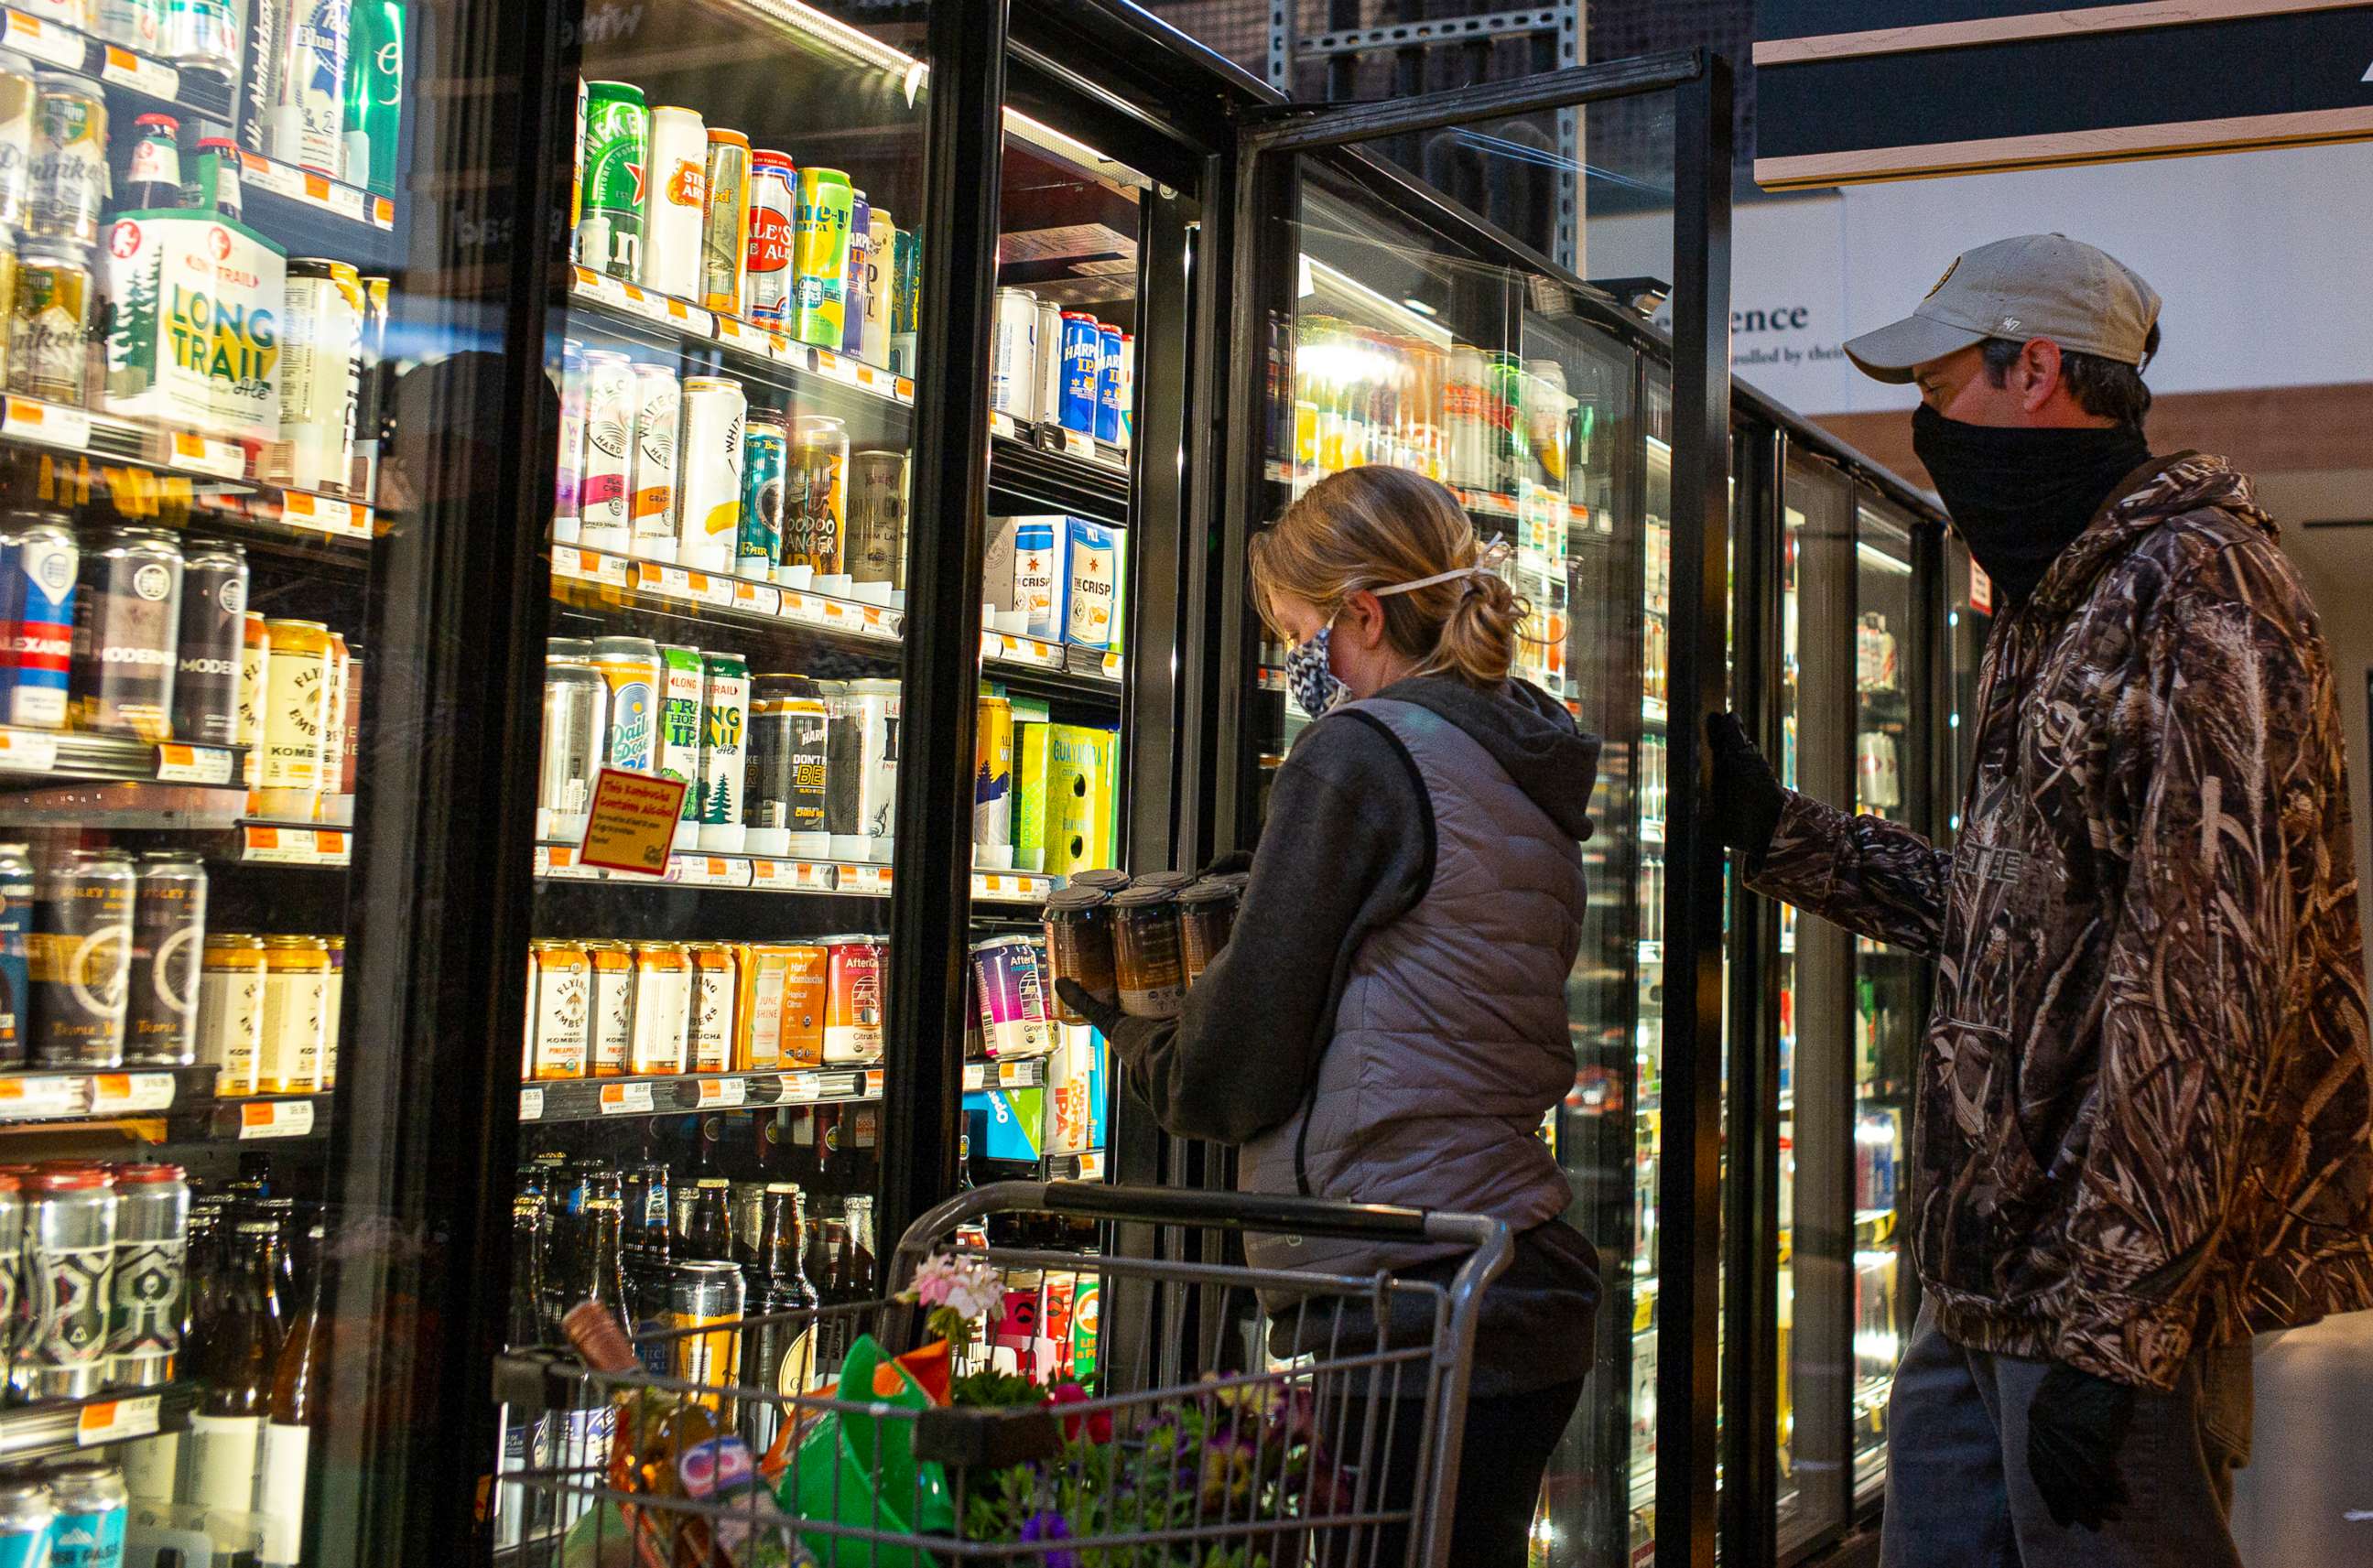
1176, 1435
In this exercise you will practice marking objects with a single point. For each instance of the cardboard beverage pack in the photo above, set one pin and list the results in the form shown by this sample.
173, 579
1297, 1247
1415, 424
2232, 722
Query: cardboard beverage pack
196, 337
1091, 583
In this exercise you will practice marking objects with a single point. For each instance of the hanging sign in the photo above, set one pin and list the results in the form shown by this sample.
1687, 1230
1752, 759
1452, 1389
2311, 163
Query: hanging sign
631, 824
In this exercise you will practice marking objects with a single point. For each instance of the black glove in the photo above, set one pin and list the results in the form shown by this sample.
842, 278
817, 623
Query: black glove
1106, 1016
2075, 1427
1229, 864
1747, 800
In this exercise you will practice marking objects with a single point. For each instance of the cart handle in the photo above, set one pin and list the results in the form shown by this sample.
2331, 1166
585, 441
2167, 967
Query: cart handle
1223, 1210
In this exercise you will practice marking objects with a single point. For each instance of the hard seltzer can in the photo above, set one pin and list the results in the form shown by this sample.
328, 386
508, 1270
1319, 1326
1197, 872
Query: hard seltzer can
70, 1227
604, 507
81, 951
168, 938
659, 417
708, 474
570, 472
152, 1243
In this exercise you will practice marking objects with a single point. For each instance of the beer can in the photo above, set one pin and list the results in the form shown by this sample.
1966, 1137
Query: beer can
610, 1041
807, 982
70, 1225
16, 980
231, 1011
1083, 357
1010, 978
820, 256
202, 36
725, 223
876, 550
1046, 364
321, 364
127, 614
783, 798
724, 716
168, 928
295, 1015
629, 666
152, 1243
37, 601
853, 275
20, 103
134, 24
1128, 390
564, 1006
662, 1007
68, 168
370, 407
309, 113
905, 283
760, 537
297, 707
568, 474
576, 738
333, 738
852, 1006
861, 772
254, 694
333, 1003
880, 270
766, 267
617, 134
1109, 384
704, 1310
604, 506
89, 1510
658, 416
81, 949
682, 686
675, 185
758, 1007
214, 625
992, 788
716, 991
26, 1518
708, 474
49, 321
1014, 356
815, 495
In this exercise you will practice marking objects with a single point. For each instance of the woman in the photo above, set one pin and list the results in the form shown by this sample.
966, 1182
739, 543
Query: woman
1388, 1021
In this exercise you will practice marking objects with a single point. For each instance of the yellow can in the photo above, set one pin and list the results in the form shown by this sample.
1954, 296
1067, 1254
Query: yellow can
296, 1026
610, 1041
715, 996
295, 707
230, 1010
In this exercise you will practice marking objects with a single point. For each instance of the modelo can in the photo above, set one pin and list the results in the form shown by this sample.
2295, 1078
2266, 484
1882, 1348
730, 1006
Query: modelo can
662, 1007
675, 187
1083, 358
321, 370
39, 566
1013, 356
169, 933
610, 1037
152, 1245
682, 685
724, 717
605, 508
296, 1021
906, 284
617, 132
231, 1011
772, 223
659, 418
880, 269
1047, 372
861, 805
629, 668
759, 540
783, 810
852, 1004
297, 707
1108, 373
1010, 977
876, 549
68, 167
81, 949
576, 737
126, 617
820, 257
853, 282
86, 1528
16, 939
214, 625
708, 474
49, 321
725, 223
568, 476
815, 495
70, 1222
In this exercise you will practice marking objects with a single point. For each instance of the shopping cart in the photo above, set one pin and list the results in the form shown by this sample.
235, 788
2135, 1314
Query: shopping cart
1175, 1436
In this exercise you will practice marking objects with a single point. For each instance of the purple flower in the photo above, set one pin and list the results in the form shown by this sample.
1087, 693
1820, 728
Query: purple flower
1047, 1524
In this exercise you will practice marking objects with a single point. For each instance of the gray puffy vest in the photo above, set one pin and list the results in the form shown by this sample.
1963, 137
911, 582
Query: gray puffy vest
1451, 1040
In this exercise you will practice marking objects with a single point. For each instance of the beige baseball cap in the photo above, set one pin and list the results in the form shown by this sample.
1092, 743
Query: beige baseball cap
2034, 285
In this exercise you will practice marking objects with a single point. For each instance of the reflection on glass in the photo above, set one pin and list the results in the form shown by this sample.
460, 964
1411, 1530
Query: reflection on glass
1969, 621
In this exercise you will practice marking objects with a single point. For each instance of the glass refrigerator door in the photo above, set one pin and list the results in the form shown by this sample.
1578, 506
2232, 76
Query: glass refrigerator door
1969, 622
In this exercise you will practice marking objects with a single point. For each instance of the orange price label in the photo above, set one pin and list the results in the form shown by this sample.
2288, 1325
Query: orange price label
631, 824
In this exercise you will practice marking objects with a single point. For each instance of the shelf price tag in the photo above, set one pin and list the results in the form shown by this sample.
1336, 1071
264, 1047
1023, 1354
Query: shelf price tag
709, 871
757, 599
1013, 1075
723, 1091
869, 879
27, 751
975, 1075
626, 1099
785, 876
872, 1084
142, 74
224, 460
22, 1097
30, 35
1112, 667
324, 514
52, 424
117, 1420
801, 1088
1078, 443
631, 826
275, 1118
178, 764
123, 1093
531, 1105
383, 212
1091, 1165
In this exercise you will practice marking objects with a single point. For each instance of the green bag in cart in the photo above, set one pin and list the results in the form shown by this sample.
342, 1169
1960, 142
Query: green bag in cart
857, 1469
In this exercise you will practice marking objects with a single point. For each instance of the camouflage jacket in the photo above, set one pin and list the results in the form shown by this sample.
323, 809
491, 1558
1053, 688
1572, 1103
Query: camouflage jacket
2141, 1122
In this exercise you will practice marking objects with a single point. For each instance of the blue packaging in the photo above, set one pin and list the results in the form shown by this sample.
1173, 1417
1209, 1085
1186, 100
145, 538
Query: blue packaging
852, 288
1088, 591
38, 567
88, 1539
16, 980
1109, 384
1083, 365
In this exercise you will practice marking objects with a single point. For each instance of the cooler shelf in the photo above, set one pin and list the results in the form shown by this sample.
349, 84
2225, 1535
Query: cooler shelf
1035, 468
762, 873
42, 1096
59, 1428
602, 1099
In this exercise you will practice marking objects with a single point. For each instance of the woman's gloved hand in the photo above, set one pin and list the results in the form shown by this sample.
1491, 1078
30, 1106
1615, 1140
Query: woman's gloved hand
2075, 1424
1747, 799
1106, 1016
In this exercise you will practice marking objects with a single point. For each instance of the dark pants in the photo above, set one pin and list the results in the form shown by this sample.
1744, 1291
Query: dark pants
1502, 1458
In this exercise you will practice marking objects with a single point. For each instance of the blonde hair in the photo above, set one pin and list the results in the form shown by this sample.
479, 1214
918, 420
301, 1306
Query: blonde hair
1369, 527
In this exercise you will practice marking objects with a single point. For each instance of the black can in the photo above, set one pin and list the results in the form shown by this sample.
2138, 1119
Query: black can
783, 802
168, 944
213, 637
82, 949
127, 618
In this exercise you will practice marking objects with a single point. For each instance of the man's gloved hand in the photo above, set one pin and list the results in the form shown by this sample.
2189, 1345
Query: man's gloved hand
1229, 864
1747, 800
1106, 1016
2075, 1426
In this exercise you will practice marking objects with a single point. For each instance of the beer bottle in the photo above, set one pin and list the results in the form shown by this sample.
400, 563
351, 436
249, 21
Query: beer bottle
528, 1226
710, 1233
777, 1352
294, 1408
239, 1362
153, 180
651, 1431
605, 1283
643, 1232
852, 1283
860, 1238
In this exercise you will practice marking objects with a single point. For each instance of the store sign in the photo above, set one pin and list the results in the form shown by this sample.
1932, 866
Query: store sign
1889, 90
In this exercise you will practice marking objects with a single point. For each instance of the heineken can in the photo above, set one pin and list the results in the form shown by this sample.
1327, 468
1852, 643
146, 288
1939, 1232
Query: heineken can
708, 474
569, 473
880, 269
604, 521
764, 448
169, 933
68, 165
658, 411
877, 518
815, 495
16, 982
725, 228
819, 257
152, 1243
852, 275
70, 1226
682, 688
724, 718
675, 202
617, 132
766, 261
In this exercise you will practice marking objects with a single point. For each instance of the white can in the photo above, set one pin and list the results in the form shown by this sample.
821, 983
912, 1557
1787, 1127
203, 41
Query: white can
708, 474
1048, 376
662, 1007
881, 268
659, 418
861, 770
1468, 432
1128, 388
675, 202
320, 348
1012, 365
569, 477
603, 517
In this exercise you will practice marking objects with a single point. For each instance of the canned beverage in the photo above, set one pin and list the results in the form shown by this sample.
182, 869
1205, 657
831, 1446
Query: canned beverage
820, 256
1109, 384
658, 417
852, 1006
815, 495
616, 135
708, 475
853, 270
568, 476
725, 223
295, 1015
81, 950
49, 321
675, 202
807, 988
724, 717
1010, 978
333, 738
1128, 435
563, 1002
604, 507
610, 1041
527, 1022
716, 988
26, 1518
254, 697
87, 1529
67, 173
297, 707
70, 1225
861, 771
16, 980
1080, 946
758, 1006
152, 1243
1207, 914
766, 268
905, 283
334, 1001
1509, 450
1083, 361
783, 800
704, 1306
576, 737
765, 444
371, 367
20, 103
37, 611
876, 546
168, 926
992, 794
881, 268
629, 666
1047, 366
682, 686
1014, 356
126, 616
321, 365
231, 1011
203, 36
662, 1007
213, 626
309, 114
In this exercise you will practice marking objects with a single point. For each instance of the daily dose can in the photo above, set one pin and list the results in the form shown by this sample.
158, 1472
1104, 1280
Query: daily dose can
708, 474
1083, 358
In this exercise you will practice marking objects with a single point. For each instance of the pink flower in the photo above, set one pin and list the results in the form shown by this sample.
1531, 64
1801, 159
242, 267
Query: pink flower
1097, 1424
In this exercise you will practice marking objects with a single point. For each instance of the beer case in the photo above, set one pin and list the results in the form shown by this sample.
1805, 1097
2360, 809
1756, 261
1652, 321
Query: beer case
195, 338
1072, 1080
1089, 586
1019, 573
1062, 773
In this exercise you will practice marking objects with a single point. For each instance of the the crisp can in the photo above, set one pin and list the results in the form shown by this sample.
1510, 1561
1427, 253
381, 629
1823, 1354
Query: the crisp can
629, 666
820, 257
603, 505
81, 950
68, 163
724, 718
617, 145
852, 1008
766, 270
815, 495
725, 225
853, 275
681, 689
169, 933
675, 190
759, 545
708, 474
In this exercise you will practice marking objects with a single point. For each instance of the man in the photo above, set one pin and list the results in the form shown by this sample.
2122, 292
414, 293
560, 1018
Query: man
2142, 1132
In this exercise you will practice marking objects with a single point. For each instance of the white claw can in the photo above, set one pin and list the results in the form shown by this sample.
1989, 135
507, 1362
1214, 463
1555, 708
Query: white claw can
675, 202
1013, 364
659, 418
708, 474
1047, 377
570, 476
603, 503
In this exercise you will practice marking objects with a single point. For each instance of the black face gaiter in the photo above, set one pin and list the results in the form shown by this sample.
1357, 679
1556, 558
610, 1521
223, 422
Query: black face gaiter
2019, 496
